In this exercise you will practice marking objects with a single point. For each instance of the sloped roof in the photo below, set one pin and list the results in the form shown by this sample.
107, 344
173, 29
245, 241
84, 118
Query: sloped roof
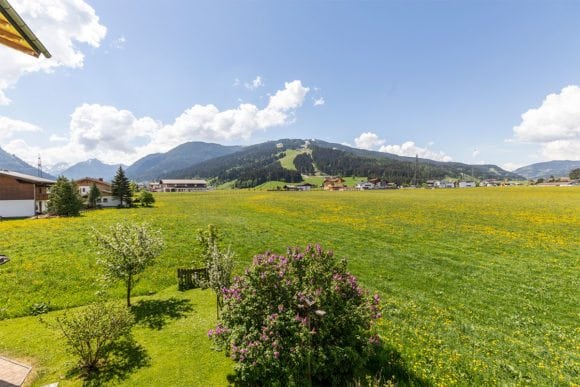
16, 34
182, 181
27, 178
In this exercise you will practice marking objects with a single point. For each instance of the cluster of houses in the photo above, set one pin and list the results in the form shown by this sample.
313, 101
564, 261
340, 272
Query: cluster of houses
178, 185
23, 195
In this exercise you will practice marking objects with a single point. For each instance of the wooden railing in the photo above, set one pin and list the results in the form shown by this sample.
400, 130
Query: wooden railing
191, 278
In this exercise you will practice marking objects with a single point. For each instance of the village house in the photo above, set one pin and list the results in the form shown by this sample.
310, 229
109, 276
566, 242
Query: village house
433, 184
334, 184
467, 184
490, 183
446, 184
182, 185
381, 184
23, 195
299, 187
366, 185
106, 189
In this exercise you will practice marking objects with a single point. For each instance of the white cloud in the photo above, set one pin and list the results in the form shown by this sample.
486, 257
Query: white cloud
9, 127
207, 122
60, 25
475, 153
371, 141
368, 140
106, 127
555, 125
511, 166
409, 148
116, 135
254, 84
119, 43
319, 101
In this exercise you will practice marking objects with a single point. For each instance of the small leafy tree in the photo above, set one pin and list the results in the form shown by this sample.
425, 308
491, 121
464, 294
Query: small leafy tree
126, 250
219, 264
94, 195
219, 272
90, 332
121, 188
296, 319
146, 198
575, 174
64, 198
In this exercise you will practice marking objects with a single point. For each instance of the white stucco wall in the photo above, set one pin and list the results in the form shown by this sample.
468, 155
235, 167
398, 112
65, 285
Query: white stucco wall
16, 208
108, 201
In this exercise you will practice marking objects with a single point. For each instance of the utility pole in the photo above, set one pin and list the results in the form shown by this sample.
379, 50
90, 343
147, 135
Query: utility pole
39, 167
416, 167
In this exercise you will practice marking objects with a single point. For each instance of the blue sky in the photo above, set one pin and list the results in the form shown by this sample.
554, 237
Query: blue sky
470, 81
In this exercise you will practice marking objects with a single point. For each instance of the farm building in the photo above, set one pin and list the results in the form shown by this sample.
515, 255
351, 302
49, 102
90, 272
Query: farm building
22, 195
467, 184
106, 200
299, 187
365, 185
178, 185
333, 184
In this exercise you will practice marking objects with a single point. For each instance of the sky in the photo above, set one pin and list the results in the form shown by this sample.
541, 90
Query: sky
480, 82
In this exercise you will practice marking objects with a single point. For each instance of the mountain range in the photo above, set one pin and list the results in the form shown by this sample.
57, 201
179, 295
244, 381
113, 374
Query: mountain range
556, 168
13, 163
248, 166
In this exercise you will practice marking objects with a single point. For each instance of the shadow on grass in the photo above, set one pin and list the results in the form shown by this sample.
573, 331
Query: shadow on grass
123, 358
156, 313
385, 368
389, 365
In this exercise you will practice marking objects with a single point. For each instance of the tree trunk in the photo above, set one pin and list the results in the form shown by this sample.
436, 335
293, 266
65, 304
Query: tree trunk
129, 282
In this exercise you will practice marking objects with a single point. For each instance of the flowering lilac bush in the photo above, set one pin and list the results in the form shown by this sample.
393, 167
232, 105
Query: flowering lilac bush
298, 318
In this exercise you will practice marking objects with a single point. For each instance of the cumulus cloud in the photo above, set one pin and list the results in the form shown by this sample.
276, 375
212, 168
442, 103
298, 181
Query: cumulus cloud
9, 127
115, 135
475, 153
61, 25
368, 140
372, 141
409, 148
555, 125
318, 101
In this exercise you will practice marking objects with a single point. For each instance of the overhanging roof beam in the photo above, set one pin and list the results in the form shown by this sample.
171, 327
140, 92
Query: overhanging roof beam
23, 30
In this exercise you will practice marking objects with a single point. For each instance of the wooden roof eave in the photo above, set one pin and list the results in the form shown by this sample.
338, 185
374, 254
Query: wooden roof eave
16, 34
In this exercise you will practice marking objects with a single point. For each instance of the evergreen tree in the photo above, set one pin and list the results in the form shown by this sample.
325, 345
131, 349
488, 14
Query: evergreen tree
121, 188
94, 195
64, 198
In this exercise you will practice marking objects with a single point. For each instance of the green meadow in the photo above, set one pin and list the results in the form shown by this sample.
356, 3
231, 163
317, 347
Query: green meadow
480, 286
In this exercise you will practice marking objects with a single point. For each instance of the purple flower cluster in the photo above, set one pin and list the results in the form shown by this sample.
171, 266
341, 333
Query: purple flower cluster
219, 330
273, 311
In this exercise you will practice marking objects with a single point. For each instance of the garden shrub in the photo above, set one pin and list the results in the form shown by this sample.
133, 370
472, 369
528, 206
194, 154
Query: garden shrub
91, 332
297, 319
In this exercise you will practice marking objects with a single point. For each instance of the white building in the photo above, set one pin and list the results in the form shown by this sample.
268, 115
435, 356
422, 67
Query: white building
106, 199
22, 195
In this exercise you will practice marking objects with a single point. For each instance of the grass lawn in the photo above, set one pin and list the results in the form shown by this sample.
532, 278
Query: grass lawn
480, 285
171, 326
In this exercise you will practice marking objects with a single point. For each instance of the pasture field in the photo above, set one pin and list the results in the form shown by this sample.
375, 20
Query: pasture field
480, 286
